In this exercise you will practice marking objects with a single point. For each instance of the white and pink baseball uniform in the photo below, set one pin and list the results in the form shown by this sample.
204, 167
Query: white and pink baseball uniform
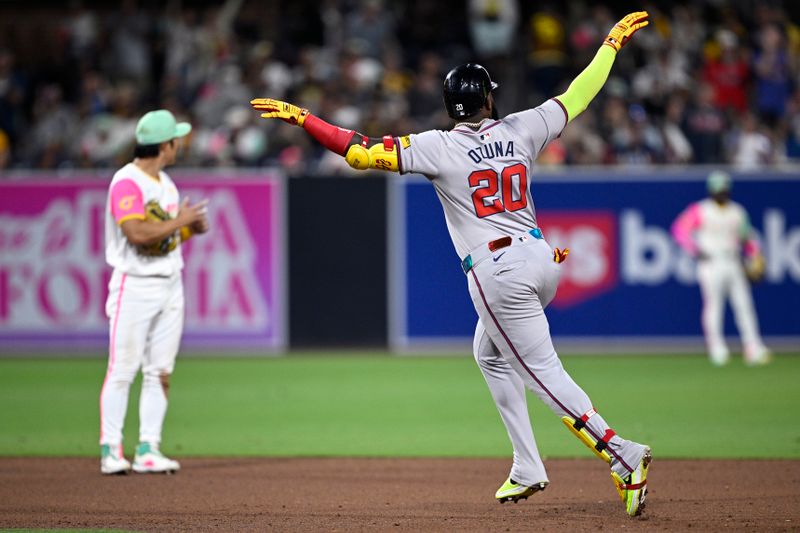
482, 176
144, 307
715, 233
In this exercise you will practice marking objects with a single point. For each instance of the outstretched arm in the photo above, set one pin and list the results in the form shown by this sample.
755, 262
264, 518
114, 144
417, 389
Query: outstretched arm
360, 151
585, 87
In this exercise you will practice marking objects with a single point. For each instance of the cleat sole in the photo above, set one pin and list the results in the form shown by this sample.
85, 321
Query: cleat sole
143, 471
523, 496
648, 458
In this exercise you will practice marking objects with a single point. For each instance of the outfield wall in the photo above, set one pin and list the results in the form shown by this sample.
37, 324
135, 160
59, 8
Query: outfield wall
321, 262
626, 284
54, 279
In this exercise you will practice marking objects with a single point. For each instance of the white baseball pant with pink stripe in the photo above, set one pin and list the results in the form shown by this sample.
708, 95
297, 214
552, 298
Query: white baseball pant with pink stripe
146, 321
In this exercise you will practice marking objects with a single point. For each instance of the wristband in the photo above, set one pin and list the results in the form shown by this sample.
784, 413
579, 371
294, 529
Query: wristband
333, 138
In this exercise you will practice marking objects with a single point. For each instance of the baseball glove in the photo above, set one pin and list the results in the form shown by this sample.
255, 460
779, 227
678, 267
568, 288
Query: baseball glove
153, 211
754, 267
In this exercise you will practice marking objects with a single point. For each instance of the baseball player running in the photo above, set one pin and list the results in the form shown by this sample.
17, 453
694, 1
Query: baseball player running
145, 225
713, 230
481, 170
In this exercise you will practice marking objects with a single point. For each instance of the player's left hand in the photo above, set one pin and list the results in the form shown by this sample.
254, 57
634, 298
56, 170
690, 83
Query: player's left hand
623, 30
559, 256
285, 111
201, 224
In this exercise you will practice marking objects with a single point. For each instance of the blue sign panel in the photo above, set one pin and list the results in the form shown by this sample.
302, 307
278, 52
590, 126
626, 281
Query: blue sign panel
625, 276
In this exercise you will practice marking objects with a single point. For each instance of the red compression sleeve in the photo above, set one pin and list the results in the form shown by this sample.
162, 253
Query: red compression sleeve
332, 137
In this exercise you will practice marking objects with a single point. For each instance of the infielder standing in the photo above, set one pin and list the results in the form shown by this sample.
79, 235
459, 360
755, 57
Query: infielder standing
713, 230
481, 170
145, 224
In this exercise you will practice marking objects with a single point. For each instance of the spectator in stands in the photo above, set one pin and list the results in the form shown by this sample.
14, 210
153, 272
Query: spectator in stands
370, 28
95, 96
492, 26
677, 148
687, 29
583, 145
12, 94
104, 140
81, 30
773, 81
727, 71
107, 126
751, 147
793, 127
220, 93
374, 54
5, 150
640, 143
130, 43
547, 58
55, 127
667, 74
426, 93
274, 76
705, 126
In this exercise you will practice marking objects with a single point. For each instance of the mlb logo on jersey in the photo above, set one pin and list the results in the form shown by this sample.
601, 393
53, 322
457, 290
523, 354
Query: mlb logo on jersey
592, 266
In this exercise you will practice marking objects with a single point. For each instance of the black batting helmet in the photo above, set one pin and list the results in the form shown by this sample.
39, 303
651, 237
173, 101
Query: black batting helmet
466, 88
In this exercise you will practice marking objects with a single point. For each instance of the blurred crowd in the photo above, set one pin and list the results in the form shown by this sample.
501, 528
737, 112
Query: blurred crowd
710, 81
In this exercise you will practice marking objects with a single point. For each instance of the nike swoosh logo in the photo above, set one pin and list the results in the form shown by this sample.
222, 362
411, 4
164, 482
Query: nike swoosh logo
497, 257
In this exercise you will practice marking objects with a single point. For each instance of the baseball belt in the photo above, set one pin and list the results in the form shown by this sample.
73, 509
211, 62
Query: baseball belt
486, 250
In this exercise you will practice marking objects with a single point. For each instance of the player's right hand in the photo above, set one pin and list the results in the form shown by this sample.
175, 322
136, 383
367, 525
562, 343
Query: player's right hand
285, 111
623, 30
559, 256
190, 214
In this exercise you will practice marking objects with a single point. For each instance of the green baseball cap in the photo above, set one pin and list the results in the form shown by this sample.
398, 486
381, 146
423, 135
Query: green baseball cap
718, 181
159, 126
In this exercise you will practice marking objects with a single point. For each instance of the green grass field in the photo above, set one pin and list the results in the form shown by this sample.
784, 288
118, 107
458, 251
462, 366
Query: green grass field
377, 405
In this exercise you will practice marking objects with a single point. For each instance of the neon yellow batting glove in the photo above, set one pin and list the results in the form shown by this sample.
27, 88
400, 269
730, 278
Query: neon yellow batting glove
285, 111
623, 30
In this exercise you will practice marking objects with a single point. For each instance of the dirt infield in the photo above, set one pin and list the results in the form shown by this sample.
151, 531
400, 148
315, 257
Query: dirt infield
392, 495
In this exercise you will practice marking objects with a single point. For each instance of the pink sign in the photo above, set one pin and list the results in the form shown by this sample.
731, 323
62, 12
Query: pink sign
593, 271
54, 278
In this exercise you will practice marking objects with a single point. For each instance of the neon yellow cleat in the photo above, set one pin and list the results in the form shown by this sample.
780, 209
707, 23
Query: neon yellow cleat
633, 489
511, 491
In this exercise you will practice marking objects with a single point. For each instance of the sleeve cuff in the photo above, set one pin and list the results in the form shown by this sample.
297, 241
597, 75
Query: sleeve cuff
399, 155
566, 115
130, 217
564, 109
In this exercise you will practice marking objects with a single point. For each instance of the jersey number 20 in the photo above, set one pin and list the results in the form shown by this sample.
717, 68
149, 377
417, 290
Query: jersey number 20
488, 184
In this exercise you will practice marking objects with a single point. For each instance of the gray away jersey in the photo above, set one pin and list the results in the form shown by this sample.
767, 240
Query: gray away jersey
483, 177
